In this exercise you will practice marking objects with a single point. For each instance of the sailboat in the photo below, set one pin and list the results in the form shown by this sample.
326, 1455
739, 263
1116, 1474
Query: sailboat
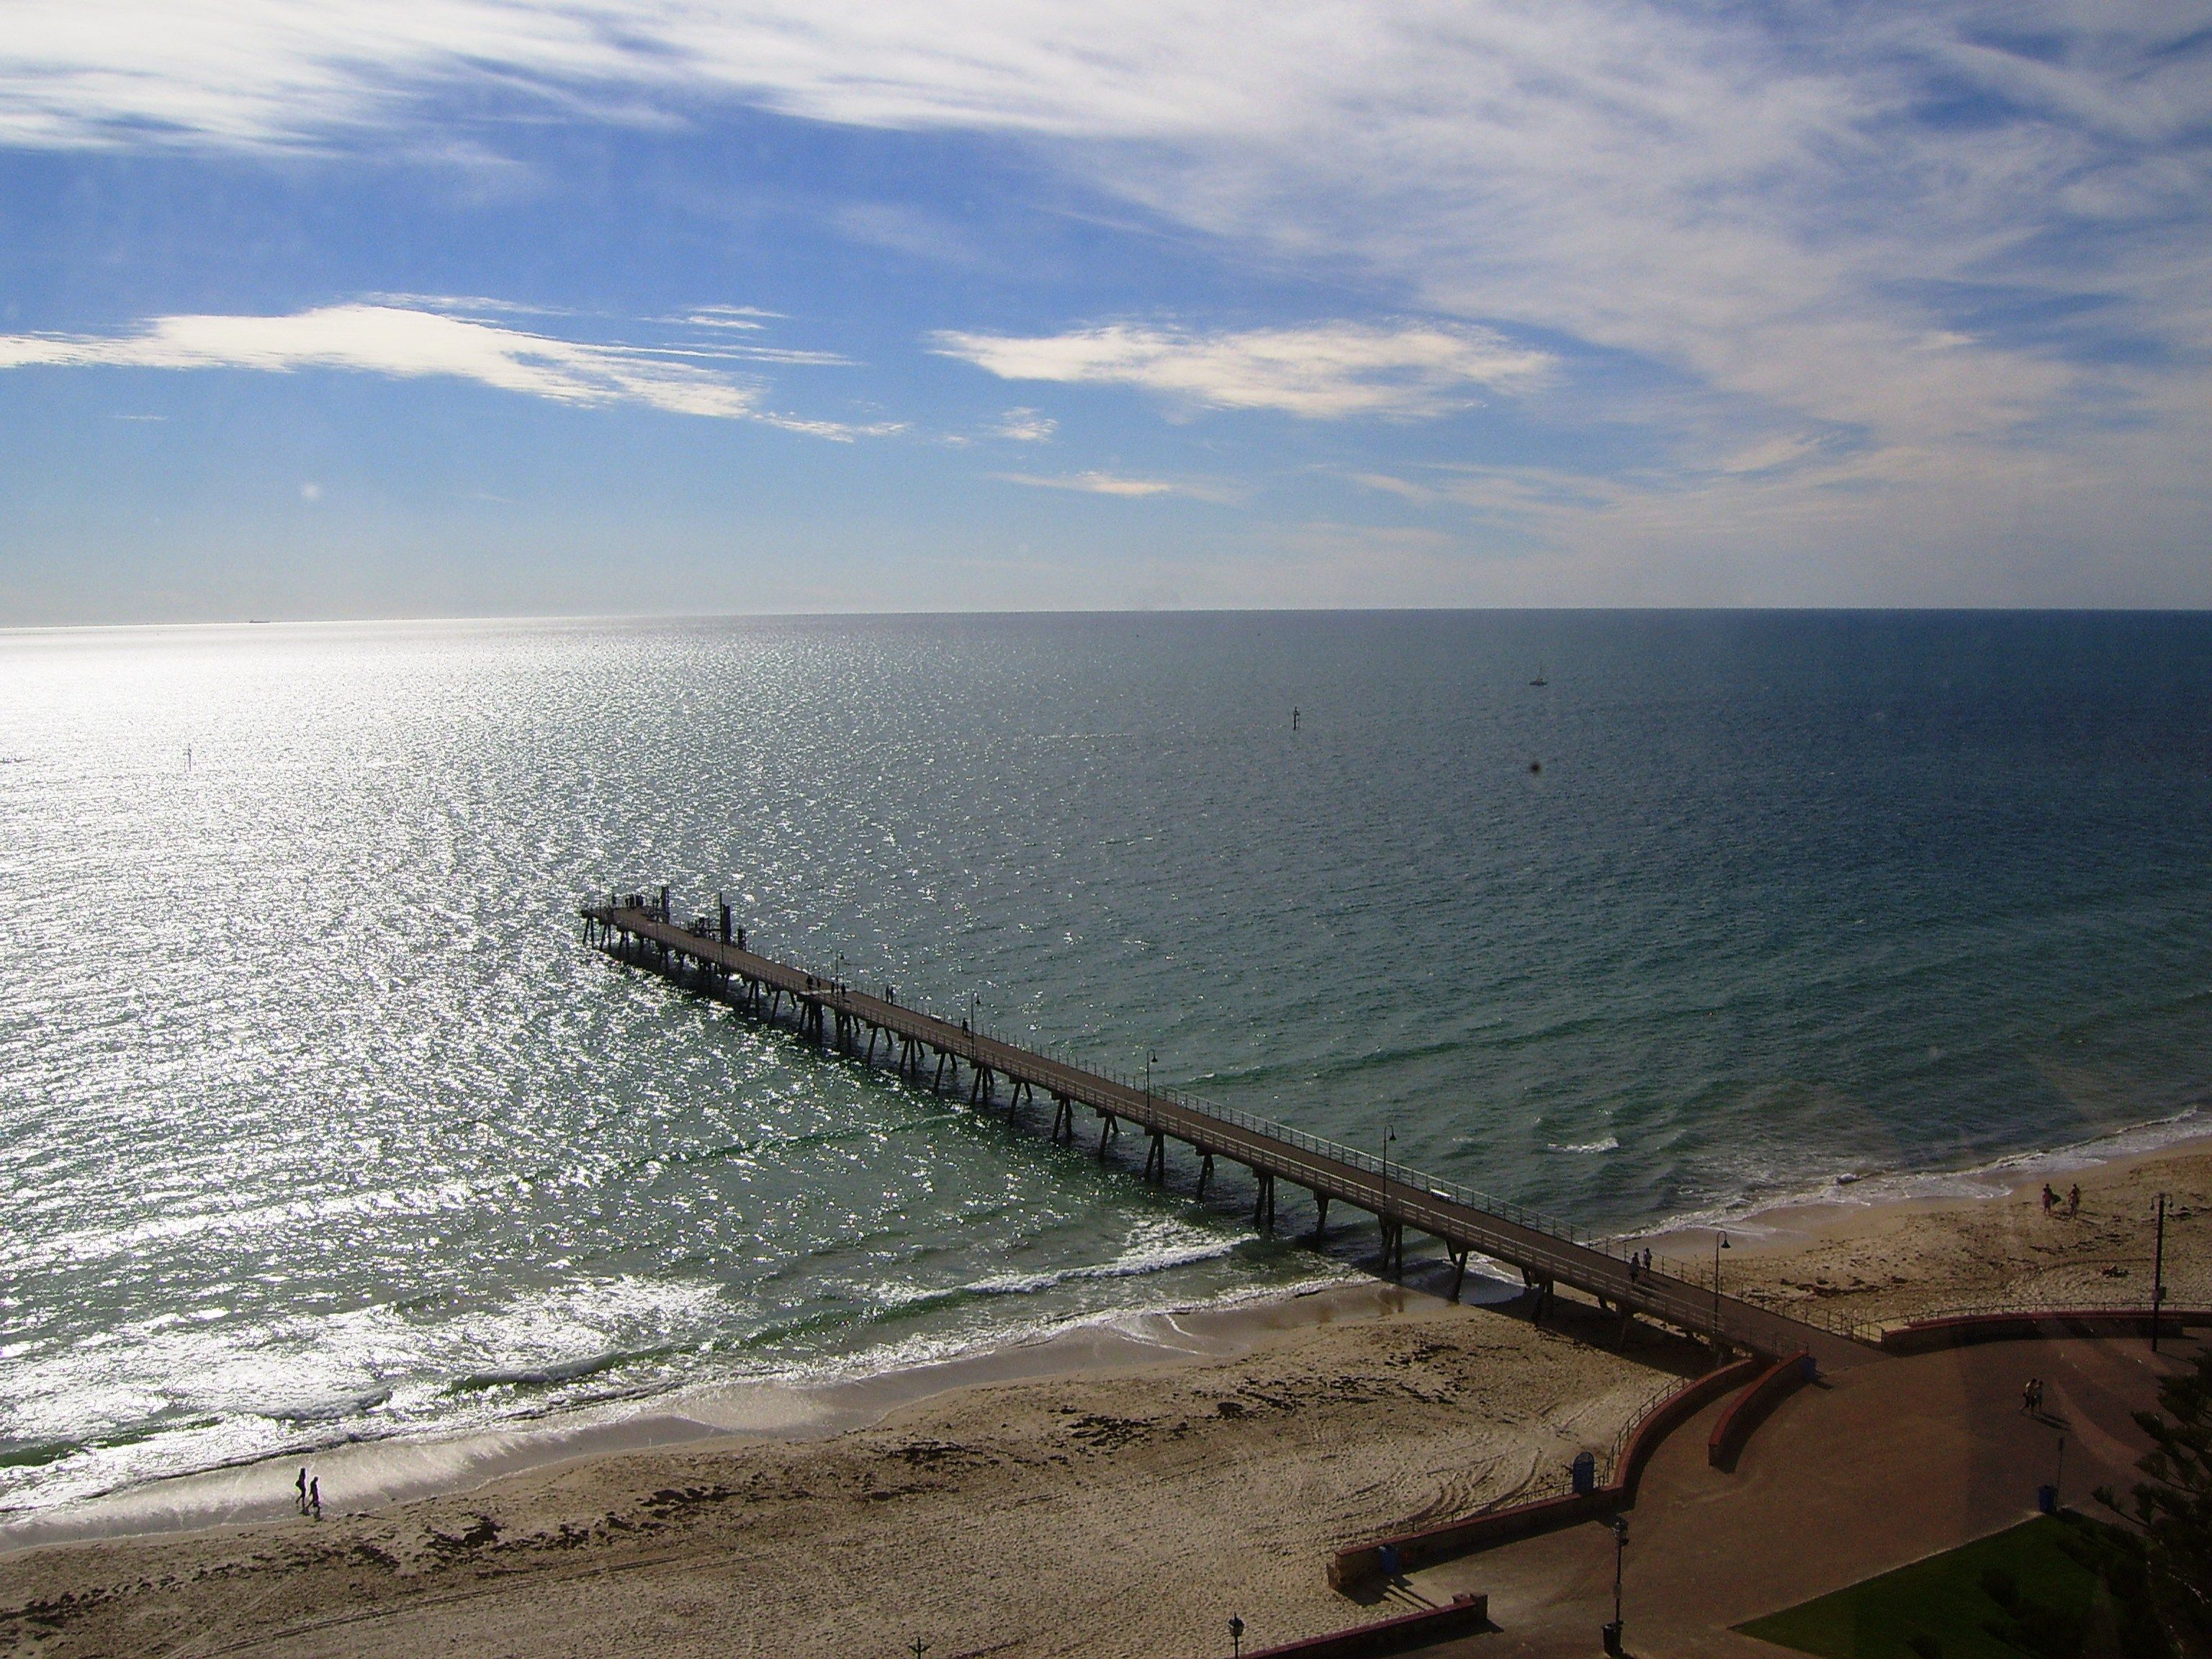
1539, 679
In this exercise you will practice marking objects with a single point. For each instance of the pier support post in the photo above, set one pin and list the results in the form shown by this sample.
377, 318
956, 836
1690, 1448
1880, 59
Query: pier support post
1156, 1157
1459, 1271
1107, 1125
1541, 1284
1320, 1216
1204, 1170
1263, 1200
1063, 1118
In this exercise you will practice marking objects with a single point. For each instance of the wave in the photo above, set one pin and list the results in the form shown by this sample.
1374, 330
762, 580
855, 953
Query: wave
546, 1376
1611, 1143
1129, 1265
1992, 1179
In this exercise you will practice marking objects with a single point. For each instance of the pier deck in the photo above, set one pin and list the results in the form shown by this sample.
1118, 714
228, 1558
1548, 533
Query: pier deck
923, 1046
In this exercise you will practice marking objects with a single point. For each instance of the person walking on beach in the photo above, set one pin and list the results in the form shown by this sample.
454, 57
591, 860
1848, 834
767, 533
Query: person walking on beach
2073, 1199
301, 1483
2050, 1199
2028, 1398
315, 1498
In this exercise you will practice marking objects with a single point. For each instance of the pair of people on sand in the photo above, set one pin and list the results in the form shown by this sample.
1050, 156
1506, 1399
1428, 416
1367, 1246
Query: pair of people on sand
2031, 1397
2073, 1199
310, 1494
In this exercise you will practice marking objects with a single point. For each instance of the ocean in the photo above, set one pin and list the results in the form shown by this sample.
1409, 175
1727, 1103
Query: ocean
319, 1121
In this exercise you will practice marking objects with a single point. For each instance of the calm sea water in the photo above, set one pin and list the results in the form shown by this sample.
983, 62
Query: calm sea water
316, 1119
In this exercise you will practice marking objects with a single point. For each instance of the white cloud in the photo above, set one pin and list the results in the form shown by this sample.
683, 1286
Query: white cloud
1026, 426
737, 317
1390, 484
1329, 370
1100, 483
389, 340
408, 343
1781, 206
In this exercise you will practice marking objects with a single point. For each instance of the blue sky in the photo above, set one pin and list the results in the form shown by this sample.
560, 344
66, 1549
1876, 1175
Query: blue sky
462, 307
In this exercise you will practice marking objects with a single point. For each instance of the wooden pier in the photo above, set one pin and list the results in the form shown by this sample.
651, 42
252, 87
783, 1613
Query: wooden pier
711, 954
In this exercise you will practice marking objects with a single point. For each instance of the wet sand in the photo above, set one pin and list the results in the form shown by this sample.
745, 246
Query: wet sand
1121, 1493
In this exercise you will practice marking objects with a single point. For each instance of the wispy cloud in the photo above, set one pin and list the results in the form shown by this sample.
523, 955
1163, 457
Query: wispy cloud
1390, 484
1026, 426
1800, 221
1108, 483
749, 318
1325, 371
410, 343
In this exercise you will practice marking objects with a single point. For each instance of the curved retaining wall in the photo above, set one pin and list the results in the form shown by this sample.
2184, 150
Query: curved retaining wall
1463, 1616
1362, 1564
1958, 1330
1735, 1425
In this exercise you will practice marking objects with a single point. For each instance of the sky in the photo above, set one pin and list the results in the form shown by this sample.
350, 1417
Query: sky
438, 307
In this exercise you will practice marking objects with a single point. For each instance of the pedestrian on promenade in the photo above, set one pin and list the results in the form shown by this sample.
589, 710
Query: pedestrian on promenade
301, 1483
315, 1497
2027, 1397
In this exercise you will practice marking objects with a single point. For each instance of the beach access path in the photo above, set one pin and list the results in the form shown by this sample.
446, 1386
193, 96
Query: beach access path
1865, 1471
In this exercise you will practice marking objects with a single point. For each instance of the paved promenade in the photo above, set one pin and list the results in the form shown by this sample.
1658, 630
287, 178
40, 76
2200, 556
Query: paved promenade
1879, 1465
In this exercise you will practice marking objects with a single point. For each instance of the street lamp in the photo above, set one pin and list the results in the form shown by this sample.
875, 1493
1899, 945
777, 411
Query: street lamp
1613, 1632
1236, 1636
2157, 1273
1720, 1243
1390, 1134
1149, 1058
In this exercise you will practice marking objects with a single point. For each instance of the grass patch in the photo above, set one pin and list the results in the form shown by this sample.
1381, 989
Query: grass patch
2028, 1590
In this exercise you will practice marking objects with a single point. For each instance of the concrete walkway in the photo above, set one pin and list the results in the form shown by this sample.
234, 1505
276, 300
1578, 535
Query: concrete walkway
1877, 1466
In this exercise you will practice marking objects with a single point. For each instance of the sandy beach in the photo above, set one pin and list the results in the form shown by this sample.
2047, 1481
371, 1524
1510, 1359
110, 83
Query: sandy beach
1126, 1507
1913, 1258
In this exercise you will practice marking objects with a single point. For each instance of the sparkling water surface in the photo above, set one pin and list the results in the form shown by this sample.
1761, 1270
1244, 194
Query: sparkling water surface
316, 1120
